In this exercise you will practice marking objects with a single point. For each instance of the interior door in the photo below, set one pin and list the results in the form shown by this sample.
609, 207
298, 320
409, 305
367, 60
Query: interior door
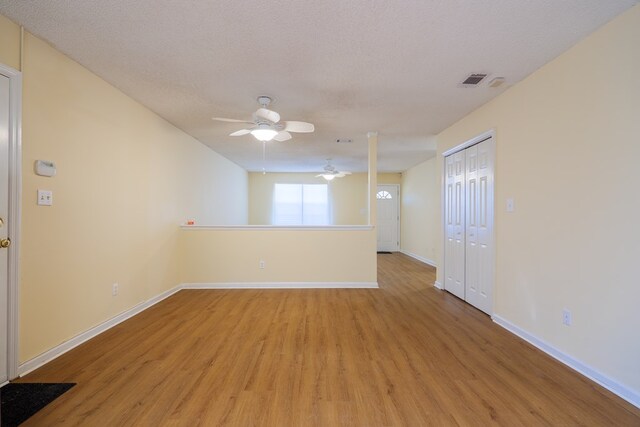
479, 248
472, 256
388, 218
454, 265
4, 210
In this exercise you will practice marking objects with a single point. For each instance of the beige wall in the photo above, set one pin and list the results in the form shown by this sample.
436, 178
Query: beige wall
389, 178
9, 43
126, 179
348, 195
420, 204
567, 152
233, 256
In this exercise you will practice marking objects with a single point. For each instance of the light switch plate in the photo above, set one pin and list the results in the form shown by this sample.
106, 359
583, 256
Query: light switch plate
510, 205
45, 197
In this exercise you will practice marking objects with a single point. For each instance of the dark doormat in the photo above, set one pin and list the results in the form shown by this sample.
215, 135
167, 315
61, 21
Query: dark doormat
21, 400
383, 252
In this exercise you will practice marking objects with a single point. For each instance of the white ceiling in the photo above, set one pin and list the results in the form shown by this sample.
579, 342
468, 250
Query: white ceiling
348, 66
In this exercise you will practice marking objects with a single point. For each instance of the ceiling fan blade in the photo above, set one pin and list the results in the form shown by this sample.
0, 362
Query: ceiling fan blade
302, 127
222, 119
282, 136
272, 116
240, 132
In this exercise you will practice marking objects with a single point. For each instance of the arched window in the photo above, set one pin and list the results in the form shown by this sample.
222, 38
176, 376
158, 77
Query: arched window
383, 194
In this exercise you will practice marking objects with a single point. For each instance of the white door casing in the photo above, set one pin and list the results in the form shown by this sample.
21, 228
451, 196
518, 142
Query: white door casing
455, 225
4, 210
10, 184
388, 201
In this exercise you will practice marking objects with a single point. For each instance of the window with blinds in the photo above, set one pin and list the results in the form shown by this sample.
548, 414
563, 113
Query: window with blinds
301, 204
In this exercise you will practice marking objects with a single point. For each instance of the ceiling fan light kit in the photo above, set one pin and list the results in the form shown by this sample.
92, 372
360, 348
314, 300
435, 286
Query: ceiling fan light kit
330, 172
264, 132
267, 126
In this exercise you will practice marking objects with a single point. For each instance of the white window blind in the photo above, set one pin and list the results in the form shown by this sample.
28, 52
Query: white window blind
301, 204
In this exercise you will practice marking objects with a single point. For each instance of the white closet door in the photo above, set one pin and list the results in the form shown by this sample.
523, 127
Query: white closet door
455, 225
480, 263
469, 247
472, 257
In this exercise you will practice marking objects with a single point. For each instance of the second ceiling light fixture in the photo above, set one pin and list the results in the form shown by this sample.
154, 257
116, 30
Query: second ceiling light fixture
330, 172
267, 126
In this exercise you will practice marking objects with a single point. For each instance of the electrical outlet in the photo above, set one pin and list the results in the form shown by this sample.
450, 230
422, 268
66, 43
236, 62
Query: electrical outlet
114, 290
261, 265
566, 317
45, 197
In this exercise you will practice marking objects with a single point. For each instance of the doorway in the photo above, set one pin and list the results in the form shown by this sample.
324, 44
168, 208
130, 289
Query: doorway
388, 201
468, 221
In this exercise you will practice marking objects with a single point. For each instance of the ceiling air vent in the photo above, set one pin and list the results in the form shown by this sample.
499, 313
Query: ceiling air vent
344, 140
474, 79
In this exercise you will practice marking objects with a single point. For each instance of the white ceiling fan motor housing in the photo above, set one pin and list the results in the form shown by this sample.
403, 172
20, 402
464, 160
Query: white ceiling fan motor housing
264, 101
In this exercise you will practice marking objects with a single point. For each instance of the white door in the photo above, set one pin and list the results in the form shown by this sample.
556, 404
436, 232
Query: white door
469, 248
479, 248
388, 218
4, 210
454, 260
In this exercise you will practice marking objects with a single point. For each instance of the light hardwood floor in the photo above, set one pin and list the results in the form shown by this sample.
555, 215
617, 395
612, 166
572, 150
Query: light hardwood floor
402, 355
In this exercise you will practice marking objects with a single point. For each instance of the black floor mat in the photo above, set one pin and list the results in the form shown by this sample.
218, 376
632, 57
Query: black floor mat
22, 400
384, 252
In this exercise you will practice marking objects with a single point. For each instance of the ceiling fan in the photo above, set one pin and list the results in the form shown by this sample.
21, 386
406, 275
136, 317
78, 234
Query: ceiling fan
330, 172
267, 125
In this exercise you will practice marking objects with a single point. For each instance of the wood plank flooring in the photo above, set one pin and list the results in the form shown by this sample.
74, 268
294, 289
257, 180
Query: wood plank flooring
402, 355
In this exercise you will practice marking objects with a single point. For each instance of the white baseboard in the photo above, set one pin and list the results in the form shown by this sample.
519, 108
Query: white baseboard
420, 258
70, 344
281, 285
626, 393
438, 285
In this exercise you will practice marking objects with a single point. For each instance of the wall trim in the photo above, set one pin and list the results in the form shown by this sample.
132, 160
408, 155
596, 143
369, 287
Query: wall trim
280, 227
420, 258
473, 141
626, 393
70, 344
438, 285
281, 285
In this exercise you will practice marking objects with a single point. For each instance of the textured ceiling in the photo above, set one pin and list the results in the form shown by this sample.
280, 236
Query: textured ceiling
348, 66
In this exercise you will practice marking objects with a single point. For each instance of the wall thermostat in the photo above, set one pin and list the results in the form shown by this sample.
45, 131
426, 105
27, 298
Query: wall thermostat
45, 168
